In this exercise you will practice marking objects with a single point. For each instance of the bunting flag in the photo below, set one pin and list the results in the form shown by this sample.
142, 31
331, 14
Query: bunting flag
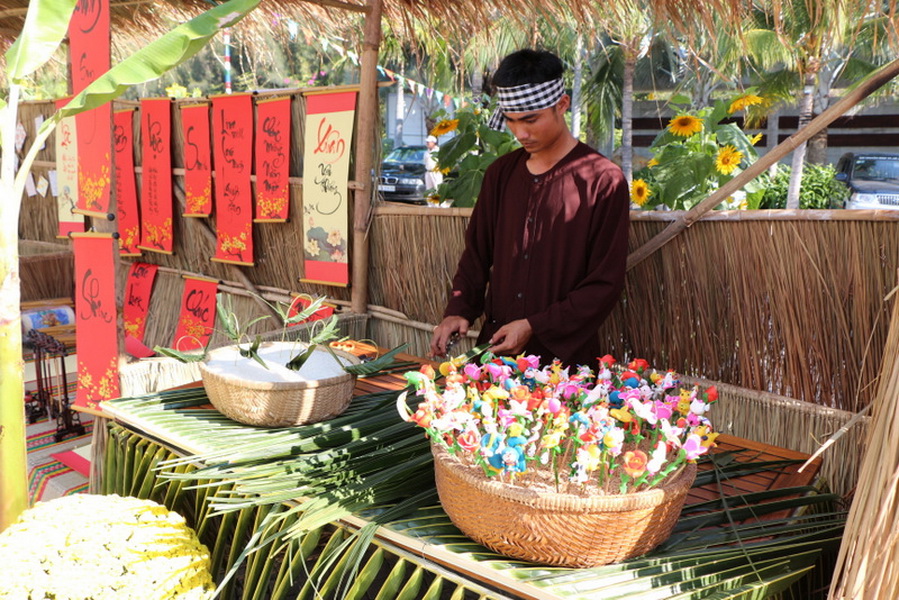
95, 320
232, 129
156, 191
138, 289
197, 160
125, 185
326, 163
89, 49
300, 303
272, 160
67, 175
197, 317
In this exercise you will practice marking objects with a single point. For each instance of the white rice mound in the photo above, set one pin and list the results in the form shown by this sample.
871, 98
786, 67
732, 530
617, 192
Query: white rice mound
321, 365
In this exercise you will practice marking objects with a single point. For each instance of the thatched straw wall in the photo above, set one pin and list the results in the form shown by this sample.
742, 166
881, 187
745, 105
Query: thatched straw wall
46, 271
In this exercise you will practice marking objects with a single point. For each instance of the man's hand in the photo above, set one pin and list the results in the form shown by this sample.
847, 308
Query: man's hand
511, 337
442, 333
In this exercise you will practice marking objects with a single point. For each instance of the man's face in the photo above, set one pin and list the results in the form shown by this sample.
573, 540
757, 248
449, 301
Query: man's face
431, 145
539, 129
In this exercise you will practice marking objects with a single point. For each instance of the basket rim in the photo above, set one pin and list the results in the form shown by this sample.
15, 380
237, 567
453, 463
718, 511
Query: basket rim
562, 501
279, 385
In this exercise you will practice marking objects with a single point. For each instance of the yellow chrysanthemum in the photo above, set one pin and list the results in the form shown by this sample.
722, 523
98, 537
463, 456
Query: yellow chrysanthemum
728, 159
742, 102
640, 192
444, 127
684, 125
755, 139
652, 162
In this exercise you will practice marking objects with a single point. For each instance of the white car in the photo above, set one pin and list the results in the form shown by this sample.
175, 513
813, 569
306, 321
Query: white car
872, 179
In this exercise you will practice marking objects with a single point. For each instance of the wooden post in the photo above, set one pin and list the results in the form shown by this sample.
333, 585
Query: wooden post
864, 89
365, 141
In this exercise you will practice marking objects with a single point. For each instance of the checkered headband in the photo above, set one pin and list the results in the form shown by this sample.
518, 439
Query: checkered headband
525, 98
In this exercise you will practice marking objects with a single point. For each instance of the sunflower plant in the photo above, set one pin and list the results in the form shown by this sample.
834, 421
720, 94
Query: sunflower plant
464, 158
698, 152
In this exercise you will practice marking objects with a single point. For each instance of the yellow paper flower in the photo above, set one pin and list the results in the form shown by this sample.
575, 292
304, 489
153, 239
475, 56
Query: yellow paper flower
742, 102
640, 192
445, 126
728, 159
684, 125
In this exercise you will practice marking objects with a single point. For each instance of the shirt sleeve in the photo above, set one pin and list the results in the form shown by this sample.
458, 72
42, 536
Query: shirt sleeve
469, 288
570, 323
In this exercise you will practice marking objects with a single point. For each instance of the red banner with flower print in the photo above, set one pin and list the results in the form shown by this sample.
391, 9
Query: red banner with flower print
128, 218
89, 50
95, 320
197, 317
326, 164
197, 160
272, 160
156, 188
67, 176
138, 289
232, 129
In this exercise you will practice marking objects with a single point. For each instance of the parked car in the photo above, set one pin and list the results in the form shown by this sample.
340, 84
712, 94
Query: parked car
403, 175
872, 179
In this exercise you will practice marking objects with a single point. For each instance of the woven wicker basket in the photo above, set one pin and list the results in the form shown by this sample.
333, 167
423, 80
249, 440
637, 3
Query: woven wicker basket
279, 404
558, 529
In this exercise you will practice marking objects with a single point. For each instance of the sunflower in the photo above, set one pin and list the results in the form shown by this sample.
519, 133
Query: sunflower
640, 192
444, 127
684, 125
728, 159
755, 139
742, 102
652, 162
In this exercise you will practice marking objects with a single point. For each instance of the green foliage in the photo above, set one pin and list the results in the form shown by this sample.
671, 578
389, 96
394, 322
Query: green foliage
819, 188
465, 158
698, 153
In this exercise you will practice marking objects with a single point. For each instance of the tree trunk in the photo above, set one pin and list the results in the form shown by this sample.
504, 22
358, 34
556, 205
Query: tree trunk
400, 112
576, 87
798, 163
13, 457
627, 111
817, 148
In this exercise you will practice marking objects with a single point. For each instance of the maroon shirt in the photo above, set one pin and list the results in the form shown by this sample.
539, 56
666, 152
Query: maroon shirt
557, 246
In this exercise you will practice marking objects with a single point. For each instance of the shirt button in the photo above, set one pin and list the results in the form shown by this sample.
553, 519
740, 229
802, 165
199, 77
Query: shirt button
520, 295
530, 219
536, 180
526, 256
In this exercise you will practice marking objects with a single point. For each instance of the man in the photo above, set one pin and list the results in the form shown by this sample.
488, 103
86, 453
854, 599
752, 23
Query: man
433, 177
548, 232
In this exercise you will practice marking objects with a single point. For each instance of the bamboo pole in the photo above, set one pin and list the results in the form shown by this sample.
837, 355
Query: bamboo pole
365, 134
869, 85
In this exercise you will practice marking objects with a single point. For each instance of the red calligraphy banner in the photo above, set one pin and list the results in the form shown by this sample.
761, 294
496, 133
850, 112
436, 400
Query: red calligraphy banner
326, 165
197, 317
95, 320
156, 189
67, 175
138, 289
125, 184
272, 160
89, 50
197, 160
232, 127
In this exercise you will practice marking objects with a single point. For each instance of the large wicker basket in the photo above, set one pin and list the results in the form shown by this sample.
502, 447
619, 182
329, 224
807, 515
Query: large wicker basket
557, 529
279, 404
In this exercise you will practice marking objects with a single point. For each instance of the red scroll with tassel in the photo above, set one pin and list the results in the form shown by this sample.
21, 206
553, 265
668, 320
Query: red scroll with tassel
138, 289
232, 129
272, 160
197, 317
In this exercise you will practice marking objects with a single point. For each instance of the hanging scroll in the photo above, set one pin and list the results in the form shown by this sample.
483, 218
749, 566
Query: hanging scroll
272, 160
138, 289
95, 320
197, 317
197, 160
326, 161
89, 48
232, 127
67, 175
128, 219
156, 188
